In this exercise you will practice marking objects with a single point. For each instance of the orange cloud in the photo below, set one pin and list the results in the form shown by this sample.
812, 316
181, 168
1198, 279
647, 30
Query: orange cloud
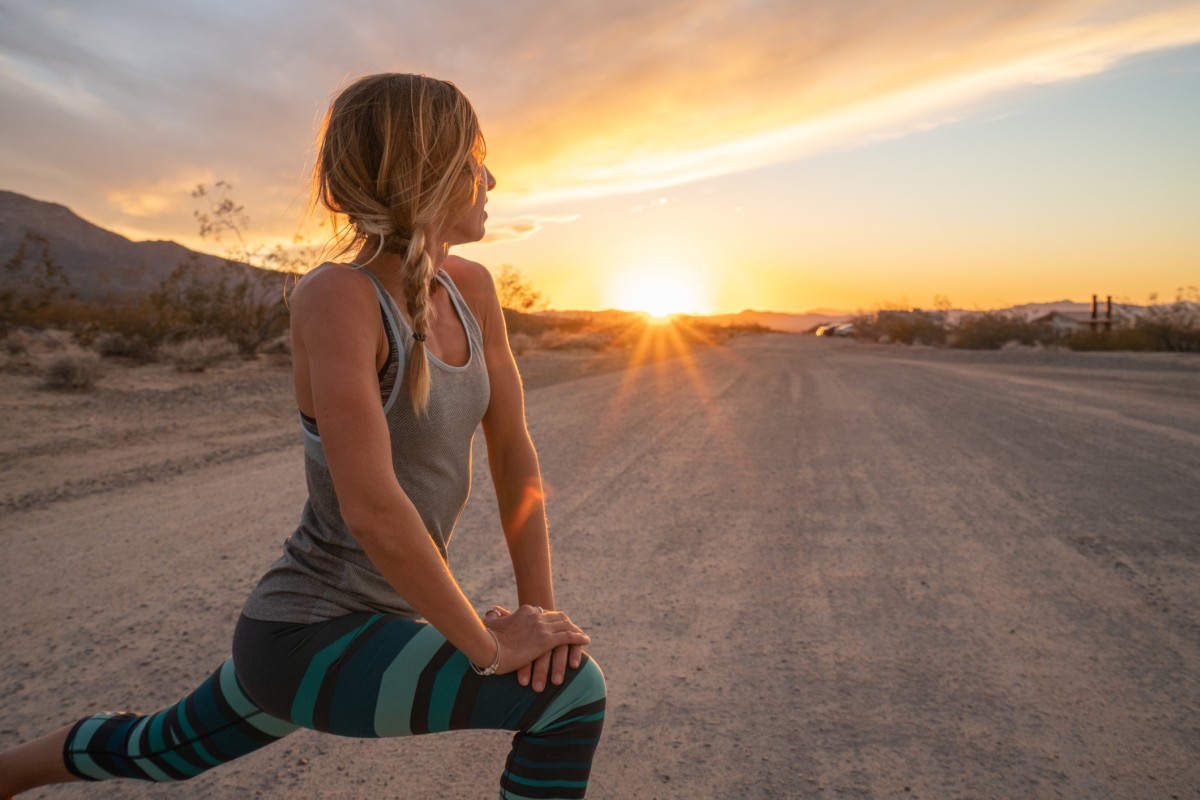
702, 92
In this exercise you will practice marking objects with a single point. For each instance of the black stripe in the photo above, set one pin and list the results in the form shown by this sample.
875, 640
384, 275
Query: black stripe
232, 719
115, 760
324, 703
419, 722
540, 792
464, 701
184, 746
550, 773
153, 755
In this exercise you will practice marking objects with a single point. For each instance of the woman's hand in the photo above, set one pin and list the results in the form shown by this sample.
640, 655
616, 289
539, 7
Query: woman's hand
536, 644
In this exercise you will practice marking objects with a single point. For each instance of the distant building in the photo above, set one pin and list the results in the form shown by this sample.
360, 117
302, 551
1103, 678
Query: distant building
1071, 321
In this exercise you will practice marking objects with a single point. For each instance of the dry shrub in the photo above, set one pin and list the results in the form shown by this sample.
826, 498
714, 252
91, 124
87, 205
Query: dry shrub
279, 346
197, 355
16, 346
519, 343
903, 327
992, 331
122, 345
558, 339
73, 372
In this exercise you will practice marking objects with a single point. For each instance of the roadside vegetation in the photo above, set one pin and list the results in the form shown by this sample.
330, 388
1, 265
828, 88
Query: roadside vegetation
198, 317
1172, 327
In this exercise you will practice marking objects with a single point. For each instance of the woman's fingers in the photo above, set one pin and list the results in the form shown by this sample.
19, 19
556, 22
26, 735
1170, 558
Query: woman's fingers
496, 611
541, 668
535, 643
558, 664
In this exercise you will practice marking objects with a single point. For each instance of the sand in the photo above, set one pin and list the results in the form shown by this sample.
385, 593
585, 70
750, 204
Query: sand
811, 569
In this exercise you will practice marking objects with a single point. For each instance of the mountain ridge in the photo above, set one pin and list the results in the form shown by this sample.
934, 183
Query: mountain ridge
99, 263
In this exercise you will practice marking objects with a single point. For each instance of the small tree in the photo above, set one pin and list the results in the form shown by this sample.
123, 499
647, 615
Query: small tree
246, 302
517, 293
30, 288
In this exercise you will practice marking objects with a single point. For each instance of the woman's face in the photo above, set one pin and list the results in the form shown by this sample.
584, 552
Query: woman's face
469, 226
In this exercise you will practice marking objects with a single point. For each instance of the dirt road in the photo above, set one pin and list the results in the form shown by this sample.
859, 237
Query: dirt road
811, 569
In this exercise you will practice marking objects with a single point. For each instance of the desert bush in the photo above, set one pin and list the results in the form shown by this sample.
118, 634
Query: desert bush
521, 343
559, 339
279, 346
991, 331
247, 309
1175, 326
1164, 333
197, 355
516, 291
1128, 337
15, 346
73, 372
29, 285
902, 327
537, 324
244, 303
113, 344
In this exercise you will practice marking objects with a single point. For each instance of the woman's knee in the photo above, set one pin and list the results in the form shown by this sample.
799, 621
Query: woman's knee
590, 681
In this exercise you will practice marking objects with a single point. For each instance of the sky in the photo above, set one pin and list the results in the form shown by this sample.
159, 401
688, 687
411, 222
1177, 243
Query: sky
681, 155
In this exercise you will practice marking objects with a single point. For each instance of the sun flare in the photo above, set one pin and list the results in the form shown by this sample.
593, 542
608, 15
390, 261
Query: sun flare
661, 291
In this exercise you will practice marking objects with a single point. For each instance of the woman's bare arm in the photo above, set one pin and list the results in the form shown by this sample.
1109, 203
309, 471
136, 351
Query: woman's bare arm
513, 462
335, 322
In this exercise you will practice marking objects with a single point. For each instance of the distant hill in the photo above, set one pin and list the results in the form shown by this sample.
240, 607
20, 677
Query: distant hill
98, 262
780, 321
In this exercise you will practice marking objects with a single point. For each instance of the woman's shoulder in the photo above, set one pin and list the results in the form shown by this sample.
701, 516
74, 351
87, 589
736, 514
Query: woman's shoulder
469, 276
332, 290
333, 279
473, 282
477, 288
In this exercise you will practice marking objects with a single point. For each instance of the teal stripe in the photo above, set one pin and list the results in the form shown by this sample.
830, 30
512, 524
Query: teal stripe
532, 782
506, 795
445, 692
161, 748
246, 709
305, 704
154, 734
79, 744
86, 766
573, 720
393, 708
134, 741
190, 733
585, 688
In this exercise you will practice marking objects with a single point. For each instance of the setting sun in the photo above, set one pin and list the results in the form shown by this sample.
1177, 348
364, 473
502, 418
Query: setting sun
661, 290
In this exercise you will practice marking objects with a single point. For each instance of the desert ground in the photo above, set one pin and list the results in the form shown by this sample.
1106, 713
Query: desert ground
810, 568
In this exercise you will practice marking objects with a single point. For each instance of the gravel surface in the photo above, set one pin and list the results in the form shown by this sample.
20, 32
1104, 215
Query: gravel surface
811, 569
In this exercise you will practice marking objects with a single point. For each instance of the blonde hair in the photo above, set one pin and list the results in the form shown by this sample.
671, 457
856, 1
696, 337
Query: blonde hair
398, 155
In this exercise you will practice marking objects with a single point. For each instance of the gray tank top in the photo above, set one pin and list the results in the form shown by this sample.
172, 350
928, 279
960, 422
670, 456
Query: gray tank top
324, 573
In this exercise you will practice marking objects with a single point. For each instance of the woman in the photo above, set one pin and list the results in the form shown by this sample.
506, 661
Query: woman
360, 629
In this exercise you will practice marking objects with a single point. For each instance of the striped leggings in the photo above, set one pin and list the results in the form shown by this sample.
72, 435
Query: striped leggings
363, 675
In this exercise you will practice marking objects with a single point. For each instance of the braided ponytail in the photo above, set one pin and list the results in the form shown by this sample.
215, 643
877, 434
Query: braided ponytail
417, 274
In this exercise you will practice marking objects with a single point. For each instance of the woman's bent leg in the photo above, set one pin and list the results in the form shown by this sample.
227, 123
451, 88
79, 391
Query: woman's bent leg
214, 724
552, 757
375, 675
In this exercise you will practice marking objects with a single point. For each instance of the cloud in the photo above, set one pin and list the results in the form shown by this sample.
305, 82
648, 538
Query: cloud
516, 228
774, 82
577, 99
